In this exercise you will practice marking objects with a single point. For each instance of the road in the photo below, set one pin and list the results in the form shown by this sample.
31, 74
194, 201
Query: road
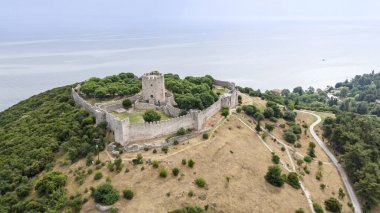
343, 175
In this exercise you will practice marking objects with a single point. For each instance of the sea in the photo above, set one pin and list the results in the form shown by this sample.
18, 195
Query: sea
263, 54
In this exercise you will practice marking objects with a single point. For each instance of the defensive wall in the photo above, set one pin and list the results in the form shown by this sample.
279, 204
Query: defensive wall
125, 132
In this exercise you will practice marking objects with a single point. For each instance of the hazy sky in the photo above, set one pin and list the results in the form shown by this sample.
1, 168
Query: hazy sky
47, 15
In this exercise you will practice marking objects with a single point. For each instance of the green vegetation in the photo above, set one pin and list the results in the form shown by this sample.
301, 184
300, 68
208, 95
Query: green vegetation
175, 171
98, 176
292, 179
163, 172
274, 176
189, 209
190, 163
317, 208
36, 129
357, 139
290, 137
151, 115
127, 103
333, 205
138, 159
128, 194
225, 111
300, 210
105, 194
191, 92
155, 164
205, 136
181, 131
269, 127
137, 116
200, 182
275, 158
124, 84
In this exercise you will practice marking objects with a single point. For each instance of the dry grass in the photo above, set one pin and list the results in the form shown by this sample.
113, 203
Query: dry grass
236, 153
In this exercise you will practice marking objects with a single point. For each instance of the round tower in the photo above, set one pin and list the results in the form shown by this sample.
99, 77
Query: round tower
153, 87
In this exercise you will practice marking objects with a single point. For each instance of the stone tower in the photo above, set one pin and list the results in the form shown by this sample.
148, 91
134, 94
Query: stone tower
153, 87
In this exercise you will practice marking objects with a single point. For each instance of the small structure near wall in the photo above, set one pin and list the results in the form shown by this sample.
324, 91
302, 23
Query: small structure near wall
153, 88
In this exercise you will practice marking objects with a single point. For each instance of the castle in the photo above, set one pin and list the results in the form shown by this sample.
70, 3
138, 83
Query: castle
155, 96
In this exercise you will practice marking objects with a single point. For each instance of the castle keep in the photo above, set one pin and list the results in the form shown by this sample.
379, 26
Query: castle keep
154, 96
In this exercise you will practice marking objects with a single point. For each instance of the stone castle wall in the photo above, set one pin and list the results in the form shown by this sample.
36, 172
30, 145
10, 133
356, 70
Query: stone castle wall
125, 132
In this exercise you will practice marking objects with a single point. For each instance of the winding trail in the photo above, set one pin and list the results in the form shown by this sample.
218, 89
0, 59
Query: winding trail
354, 200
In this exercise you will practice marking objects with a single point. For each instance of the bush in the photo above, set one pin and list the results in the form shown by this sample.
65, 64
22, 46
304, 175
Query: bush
333, 205
181, 131
98, 176
105, 194
318, 176
165, 149
151, 115
111, 167
274, 176
138, 159
283, 149
225, 111
154, 151
118, 164
269, 127
163, 172
128, 194
190, 163
300, 210
189, 209
183, 161
175, 171
238, 110
205, 136
275, 158
268, 112
155, 164
290, 137
200, 182
127, 103
51, 182
292, 179
307, 159
317, 208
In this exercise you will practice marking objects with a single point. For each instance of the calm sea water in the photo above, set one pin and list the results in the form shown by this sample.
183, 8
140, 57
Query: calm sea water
262, 55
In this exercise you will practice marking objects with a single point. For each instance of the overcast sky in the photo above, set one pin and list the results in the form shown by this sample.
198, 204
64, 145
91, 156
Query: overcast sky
39, 15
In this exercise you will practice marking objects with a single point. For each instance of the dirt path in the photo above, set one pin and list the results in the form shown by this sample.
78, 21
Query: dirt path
343, 175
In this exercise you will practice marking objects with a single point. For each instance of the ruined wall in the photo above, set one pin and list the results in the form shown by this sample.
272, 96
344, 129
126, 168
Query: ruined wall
143, 106
114, 105
227, 84
160, 128
95, 111
120, 128
172, 111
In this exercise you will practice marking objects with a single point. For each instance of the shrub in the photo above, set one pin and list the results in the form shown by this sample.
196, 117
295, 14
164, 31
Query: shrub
322, 186
282, 126
154, 151
333, 205
274, 176
163, 172
128, 194
205, 136
190, 163
275, 158
127, 103
190, 193
307, 159
105, 194
318, 176
225, 111
292, 179
175, 171
151, 115
290, 137
299, 162
138, 159
98, 176
165, 149
189, 209
268, 112
175, 142
317, 208
155, 164
300, 210
269, 127
51, 182
118, 164
283, 149
258, 127
183, 161
238, 110
111, 166
200, 182
181, 131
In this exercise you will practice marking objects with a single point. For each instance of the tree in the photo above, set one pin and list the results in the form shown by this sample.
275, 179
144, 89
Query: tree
181, 131
275, 158
274, 176
127, 103
292, 179
362, 108
285, 92
258, 128
290, 137
101, 92
225, 111
333, 205
298, 90
269, 127
268, 112
344, 92
151, 115
105, 194
51, 182
290, 116
317, 208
